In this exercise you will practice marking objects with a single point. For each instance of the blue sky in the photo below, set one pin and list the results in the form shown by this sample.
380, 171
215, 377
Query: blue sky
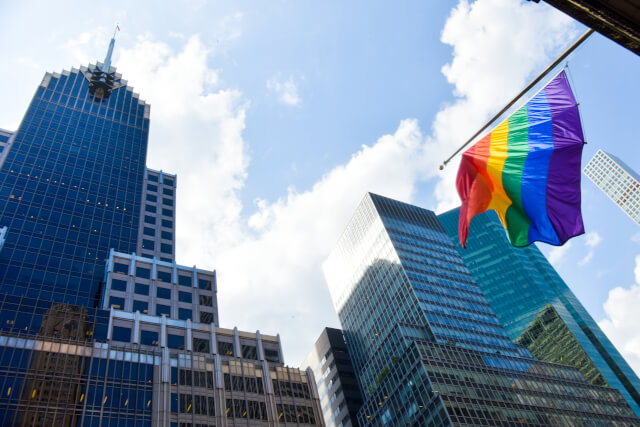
279, 116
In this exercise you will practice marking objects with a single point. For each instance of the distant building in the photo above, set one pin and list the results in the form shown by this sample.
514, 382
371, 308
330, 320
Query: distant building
618, 181
337, 385
425, 345
537, 308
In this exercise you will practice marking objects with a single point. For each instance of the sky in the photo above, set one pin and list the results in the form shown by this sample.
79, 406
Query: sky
279, 116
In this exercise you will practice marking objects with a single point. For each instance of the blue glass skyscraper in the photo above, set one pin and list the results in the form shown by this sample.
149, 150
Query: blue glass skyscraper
537, 308
98, 324
427, 348
70, 186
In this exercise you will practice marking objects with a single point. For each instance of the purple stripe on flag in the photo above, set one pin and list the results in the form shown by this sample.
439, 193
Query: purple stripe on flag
563, 179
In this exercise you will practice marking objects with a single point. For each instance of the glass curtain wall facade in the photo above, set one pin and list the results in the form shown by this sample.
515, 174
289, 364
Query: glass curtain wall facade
520, 285
426, 347
70, 189
617, 180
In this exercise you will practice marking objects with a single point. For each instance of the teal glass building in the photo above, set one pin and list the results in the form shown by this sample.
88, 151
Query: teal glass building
537, 308
427, 348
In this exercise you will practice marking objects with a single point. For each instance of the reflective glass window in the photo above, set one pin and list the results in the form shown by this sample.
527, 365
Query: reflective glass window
141, 289
200, 345
116, 302
175, 341
151, 187
206, 317
148, 231
120, 268
118, 285
167, 223
121, 334
163, 293
163, 310
167, 212
204, 284
143, 273
149, 337
164, 276
141, 306
184, 314
184, 280
225, 348
150, 219
185, 296
150, 208
148, 244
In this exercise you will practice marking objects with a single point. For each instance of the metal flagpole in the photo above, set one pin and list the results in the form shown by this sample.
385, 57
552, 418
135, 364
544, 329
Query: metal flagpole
525, 90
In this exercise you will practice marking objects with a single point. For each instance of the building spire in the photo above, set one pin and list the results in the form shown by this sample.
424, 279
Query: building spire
107, 59
101, 81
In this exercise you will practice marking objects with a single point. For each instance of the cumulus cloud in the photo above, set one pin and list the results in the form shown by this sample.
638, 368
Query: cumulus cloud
557, 254
593, 239
623, 318
285, 91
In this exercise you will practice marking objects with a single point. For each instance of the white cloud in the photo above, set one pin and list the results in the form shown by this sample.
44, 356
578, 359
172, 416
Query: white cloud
557, 254
623, 318
593, 239
286, 91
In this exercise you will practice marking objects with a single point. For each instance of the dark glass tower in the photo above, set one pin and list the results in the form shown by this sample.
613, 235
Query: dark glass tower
337, 385
70, 186
427, 348
537, 308
98, 325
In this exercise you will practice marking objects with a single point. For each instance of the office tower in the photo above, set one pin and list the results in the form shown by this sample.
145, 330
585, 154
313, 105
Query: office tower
70, 186
157, 225
92, 331
337, 385
5, 137
426, 347
618, 181
537, 308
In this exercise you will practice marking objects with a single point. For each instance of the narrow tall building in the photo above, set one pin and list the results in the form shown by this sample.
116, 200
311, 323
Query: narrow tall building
337, 385
537, 308
617, 180
98, 324
427, 348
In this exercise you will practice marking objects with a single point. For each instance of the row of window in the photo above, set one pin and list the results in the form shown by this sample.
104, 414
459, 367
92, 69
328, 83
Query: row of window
161, 309
161, 275
165, 201
153, 209
151, 232
152, 220
165, 191
166, 181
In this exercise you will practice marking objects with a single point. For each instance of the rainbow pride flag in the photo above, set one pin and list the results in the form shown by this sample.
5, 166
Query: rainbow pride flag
528, 170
